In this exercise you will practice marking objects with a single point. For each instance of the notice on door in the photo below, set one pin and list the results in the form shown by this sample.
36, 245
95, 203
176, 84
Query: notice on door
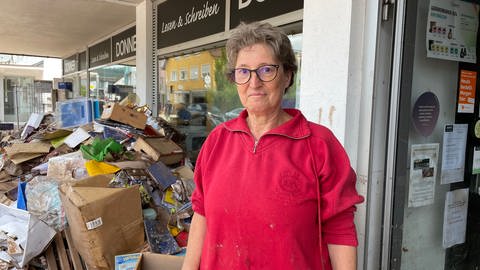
453, 153
466, 91
452, 30
423, 172
455, 217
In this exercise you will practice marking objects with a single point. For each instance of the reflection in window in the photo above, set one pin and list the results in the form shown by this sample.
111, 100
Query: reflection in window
194, 107
112, 83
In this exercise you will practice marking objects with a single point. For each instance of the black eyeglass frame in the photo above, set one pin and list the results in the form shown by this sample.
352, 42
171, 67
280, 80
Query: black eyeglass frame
232, 74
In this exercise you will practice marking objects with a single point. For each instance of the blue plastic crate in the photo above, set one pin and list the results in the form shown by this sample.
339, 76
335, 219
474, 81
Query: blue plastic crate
74, 112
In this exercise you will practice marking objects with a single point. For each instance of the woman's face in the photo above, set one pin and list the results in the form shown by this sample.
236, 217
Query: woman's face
260, 97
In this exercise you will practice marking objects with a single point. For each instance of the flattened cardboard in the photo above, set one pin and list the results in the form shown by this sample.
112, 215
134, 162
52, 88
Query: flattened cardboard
49, 135
27, 148
21, 152
104, 221
155, 261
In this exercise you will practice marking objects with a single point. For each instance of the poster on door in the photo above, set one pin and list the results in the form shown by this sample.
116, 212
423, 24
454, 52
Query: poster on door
466, 91
452, 30
423, 172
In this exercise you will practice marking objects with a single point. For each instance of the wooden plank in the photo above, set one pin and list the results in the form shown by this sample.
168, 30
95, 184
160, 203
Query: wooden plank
62, 253
76, 260
52, 263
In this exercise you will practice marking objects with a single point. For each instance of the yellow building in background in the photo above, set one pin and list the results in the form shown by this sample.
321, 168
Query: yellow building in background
189, 77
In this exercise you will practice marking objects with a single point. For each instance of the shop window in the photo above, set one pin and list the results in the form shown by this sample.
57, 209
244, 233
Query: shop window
194, 107
112, 83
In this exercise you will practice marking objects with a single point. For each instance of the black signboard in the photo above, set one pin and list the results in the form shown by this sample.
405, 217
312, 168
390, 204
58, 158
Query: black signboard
82, 60
184, 20
124, 44
70, 64
99, 54
256, 10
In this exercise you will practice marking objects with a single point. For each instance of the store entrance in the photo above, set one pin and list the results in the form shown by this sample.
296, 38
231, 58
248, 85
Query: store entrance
436, 206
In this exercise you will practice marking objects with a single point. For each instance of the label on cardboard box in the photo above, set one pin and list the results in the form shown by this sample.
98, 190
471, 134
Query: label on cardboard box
94, 223
127, 261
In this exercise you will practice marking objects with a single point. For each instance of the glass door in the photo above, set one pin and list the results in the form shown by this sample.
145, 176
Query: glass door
19, 99
432, 224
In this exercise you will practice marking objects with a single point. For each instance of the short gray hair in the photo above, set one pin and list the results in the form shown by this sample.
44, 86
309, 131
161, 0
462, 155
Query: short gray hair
248, 34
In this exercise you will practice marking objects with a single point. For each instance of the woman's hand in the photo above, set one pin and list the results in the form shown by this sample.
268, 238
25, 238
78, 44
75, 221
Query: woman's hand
343, 257
196, 236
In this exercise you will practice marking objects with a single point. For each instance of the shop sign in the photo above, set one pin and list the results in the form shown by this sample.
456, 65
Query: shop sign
124, 44
70, 64
184, 20
99, 54
256, 10
82, 60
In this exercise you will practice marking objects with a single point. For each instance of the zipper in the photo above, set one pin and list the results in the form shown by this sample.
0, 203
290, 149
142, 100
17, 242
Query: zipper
255, 144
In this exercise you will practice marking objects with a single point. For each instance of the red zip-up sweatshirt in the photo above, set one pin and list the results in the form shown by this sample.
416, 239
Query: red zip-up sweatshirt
260, 199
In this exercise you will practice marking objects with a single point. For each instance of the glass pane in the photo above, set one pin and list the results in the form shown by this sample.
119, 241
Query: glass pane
84, 85
428, 108
18, 90
112, 83
201, 97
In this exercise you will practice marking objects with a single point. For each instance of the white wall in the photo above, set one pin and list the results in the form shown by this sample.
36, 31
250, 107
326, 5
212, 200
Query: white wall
52, 68
325, 58
338, 64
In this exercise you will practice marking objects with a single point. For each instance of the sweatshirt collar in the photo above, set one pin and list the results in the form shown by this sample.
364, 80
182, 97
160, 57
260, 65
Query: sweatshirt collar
296, 128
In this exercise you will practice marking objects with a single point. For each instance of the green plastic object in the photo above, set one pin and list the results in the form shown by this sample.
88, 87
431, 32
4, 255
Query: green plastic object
100, 148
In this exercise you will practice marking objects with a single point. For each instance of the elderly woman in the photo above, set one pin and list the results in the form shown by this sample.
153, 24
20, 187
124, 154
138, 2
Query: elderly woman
273, 191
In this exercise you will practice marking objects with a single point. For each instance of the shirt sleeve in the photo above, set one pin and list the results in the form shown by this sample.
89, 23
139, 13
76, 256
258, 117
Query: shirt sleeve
197, 195
338, 194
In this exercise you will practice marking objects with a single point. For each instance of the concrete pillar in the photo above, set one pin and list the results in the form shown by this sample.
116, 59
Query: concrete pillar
144, 54
338, 67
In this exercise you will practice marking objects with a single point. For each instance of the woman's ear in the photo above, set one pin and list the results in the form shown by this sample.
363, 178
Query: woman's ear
288, 78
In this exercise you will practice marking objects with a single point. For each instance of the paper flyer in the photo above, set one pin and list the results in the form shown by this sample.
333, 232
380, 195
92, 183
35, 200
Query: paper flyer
455, 217
452, 30
423, 172
453, 153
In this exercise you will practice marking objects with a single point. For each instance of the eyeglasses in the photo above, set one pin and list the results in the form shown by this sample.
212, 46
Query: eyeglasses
265, 73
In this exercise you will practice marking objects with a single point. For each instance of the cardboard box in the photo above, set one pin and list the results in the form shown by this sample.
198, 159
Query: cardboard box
160, 149
156, 261
125, 115
104, 221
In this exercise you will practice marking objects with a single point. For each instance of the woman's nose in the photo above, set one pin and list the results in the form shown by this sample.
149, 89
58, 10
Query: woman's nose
254, 80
